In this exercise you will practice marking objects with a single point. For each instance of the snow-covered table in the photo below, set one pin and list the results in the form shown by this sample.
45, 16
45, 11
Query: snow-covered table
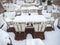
31, 18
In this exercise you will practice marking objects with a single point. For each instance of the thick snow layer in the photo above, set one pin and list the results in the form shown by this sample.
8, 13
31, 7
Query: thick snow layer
51, 37
4, 37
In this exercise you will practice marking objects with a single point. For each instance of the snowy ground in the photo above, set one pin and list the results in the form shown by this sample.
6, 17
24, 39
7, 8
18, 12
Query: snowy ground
51, 37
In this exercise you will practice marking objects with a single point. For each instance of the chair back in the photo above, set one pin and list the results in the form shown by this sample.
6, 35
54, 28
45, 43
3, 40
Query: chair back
19, 27
10, 14
34, 12
47, 15
39, 27
49, 8
42, 26
59, 21
36, 27
55, 15
29, 1
23, 26
3, 24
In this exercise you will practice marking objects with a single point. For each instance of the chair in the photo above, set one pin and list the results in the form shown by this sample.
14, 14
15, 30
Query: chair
24, 12
50, 22
42, 26
10, 7
34, 11
44, 11
19, 2
36, 27
30, 1
23, 25
2, 15
49, 8
47, 15
18, 13
3, 25
50, 19
56, 24
59, 21
55, 15
3, 1
5, 6
10, 14
19, 27
58, 8
55, 6
39, 27
55, 12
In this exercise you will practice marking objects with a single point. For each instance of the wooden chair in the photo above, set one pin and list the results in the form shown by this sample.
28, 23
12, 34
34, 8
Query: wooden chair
42, 26
3, 24
10, 14
39, 27
24, 12
49, 8
36, 27
19, 27
34, 11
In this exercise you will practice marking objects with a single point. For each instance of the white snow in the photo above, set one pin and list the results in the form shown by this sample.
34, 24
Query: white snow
51, 37
4, 37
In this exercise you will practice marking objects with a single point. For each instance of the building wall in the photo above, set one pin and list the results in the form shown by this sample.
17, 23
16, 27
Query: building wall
56, 0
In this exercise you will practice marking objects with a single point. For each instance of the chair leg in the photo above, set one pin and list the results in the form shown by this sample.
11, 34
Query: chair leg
10, 42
